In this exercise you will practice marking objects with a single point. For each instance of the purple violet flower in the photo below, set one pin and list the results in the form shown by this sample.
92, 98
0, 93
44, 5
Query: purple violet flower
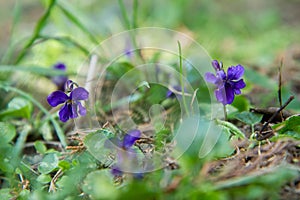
60, 80
229, 84
130, 138
72, 106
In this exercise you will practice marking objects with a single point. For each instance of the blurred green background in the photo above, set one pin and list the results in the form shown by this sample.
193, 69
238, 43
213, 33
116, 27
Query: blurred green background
257, 34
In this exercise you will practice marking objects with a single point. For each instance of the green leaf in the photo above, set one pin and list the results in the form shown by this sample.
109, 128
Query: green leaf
24, 194
249, 117
64, 165
18, 107
7, 132
46, 131
44, 178
56, 126
259, 79
99, 145
160, 138
241, 103
100, 178
117, 70
48, 164
5, 193
156, 94
232, 128
32, 69
40, 147
290, 124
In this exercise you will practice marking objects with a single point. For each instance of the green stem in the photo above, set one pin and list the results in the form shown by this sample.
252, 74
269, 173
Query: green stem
57, 128
38, 28
225, 112
76, 21
65, 39
124, 14
21, 140
181, 79
134, 15
131, 26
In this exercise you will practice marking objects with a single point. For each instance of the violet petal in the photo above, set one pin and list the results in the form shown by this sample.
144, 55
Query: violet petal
60, 66
79, 94
56, 98
240, 84
237, 91
216, 65
221, 74
81, 109
229, 94
235, 72
64, 113
116, 171
130, 138
73, 108
221, 95
210, 77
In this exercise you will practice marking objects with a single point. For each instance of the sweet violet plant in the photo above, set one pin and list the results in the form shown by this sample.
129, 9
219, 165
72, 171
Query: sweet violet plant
126, 154
227, 85
71, 99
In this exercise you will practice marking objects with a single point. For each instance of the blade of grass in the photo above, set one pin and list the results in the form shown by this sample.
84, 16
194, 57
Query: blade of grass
65, 40
21, 140
124, 14
32, 69
135, 14
56, 126
16, 18
77, 22
181, 79
37, 30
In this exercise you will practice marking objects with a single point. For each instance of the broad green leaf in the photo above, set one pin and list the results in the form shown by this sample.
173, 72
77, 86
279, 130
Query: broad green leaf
249, 117
46, 131
24, 194
48, 164
40, 147
98, 184
241, 103
44, 178
98, 143
259, 79
290, 124
5, 157
207, 140
156, 94
7, 132
18, 107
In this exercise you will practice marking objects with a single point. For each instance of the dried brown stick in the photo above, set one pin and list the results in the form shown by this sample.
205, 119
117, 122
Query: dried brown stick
279, 87
276, 113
